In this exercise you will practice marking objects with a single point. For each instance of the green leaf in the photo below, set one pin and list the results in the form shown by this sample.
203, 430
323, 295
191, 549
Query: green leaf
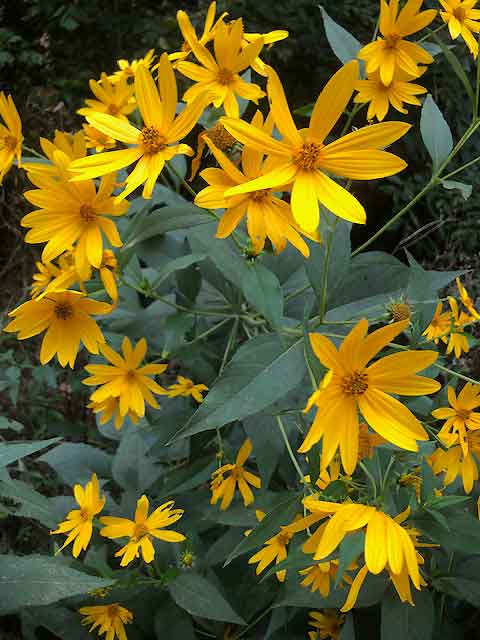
10, 452
60, 621
456, 65
462, 535
262, 289
179, 263
132, 469
261, 372
173, 622
350, 548
75, 462
465, 189
401, 621
39, 580
267, 446
348, 629
199, 597
436, 133
32, 504
461, 588
7, 423
343, 44
425, 285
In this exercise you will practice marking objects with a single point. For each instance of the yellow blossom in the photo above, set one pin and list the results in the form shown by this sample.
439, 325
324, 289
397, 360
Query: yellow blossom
117, 99
189, 34
186, 387
142, 529
46, 272
303, 160
367, 441
11, 137
460, 416
319, 576
439, 327
125, 378
329, 624
463, 20
96, 139
455, 463
220, 138
78, 524
129, 69
110, 409
274, 549
458, 342
224, 487
109, 618
380, 96
72, 145
466, 300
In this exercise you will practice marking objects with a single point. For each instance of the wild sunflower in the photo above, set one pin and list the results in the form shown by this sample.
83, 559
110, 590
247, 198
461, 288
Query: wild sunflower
78, 524
127, 69
439, 327
319, 576
460, 416
466, 300
66, 317
303, 160
189, 34
109, 618
267, 215
219, 76
273, 550
110, 409
125, 378
95, 139
219, 136
11, 137
457, 341
117, 99
329, 624
224, 488
454, 462
463, 20
186, 387
354, 386
391, 52
152, 145
142, 529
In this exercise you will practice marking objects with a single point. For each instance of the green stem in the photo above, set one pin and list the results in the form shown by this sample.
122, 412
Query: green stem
351, 116
462, 168
252, 624
208, 332
228, 348
370, 477
455, 373
301, 475
326, 264
298, 292
477, 91
33, 152
430, 34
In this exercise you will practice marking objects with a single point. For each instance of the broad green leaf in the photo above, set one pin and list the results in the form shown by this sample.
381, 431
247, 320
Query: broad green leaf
350, 548
60, 621
31, 503
262, 289
400, 621
261, 372
186, 479
465, 189
343, 44
132, 469
348, 630
35, 580
75, 462
180, 263
173, 622
436, 133
463, 533
425, 285
199, 597
10, 452
267, 446
461, 588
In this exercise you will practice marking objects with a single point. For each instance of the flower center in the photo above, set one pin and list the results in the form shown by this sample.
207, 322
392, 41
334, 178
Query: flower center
460, 13
308, 156
355, 384
84, 514
130, 375
400, 311
220, 137
63, 310
463, 414
140, 531
9, 142
113, 611
152, 140
284, 538
225, 76
87, 213
391, 41
258, 196
113, 109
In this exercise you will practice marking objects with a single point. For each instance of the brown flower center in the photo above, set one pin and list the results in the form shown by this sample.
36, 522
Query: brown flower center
391, 41
400, 311
460, 13
87, 213
355, 384
225, 76
9, 142
261, 195
140, 531
152, 140
63, 310
84, 514
220, 137
113, 611
308, 156
113, 109
131, 375
463, 414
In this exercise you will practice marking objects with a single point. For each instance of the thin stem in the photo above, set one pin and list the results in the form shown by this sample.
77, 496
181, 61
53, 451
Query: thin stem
455, 373
228, 348
298, 292
430, 34
370, 477
462, 168
326, 264
208, 332
252, 624
358, 107
33, 152
301, 475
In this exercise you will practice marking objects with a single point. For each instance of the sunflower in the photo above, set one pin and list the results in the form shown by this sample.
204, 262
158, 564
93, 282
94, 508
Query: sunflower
224, 487
439, 327
11, 137
466, 300
457, 341
117, 99
303, 160
460, 416
329, 624
109, 409
66, 316
109, 618
267, 215
274, 549
186, 387
319, 576
353, 386
463, 20
128, 69
72, 145
189, 34
152, 145
393, 52
95, 139
454, 462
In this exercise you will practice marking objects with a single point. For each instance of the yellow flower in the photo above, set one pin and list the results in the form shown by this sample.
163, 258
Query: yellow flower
219, 76
185, 387
457, 341
329, 475
117, 99
46, 272
329, 624
268, 39
96, 139
74, 214
189, 34
224, 488
412, 480
107, 270
109, 618
78, 524
219, 136
110, 409
462, 20
354, 387
155, 143
11, 137
393, 52
274, 549
129, 69
466, 300
66, 317
126, 379
454, 462
318, 576
460, 415
439, 327
267, 215
303, 160
381, 96
73, 146
142, 529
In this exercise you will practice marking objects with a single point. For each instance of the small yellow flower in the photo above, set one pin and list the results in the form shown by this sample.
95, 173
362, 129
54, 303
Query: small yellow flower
186, 387
224, 488
463, 20
107, 270
329, 624
189, 33
72, 145
460, 416
110, 409
117, 99
455, 463
46, 272
66, 315
466, 300
458, 342
129, 69
412, 480
11, 137
367, 441
439, 327
126, 379
78, 524
96, 139
109, 618
142, 529
274, 549
319, 576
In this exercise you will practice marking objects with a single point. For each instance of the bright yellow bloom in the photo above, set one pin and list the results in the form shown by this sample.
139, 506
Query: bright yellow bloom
274, 549
463, 20
303, 160
78, 524
267, 215
74, 214
126, 379
117, 99
109, 618
457, 341
95, 139
393, 52
466, 300
219, 76
129, 69
110, 409
439, 327
460, 416
454, 462
354, 386
73, 146
11, 137
381, 96
328, 475
224, 488
185, 387
412, 480
155, 143
46, 272
329, 624
268, 39
189, 34
66, 315
108, 268
319, 576
142, 529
